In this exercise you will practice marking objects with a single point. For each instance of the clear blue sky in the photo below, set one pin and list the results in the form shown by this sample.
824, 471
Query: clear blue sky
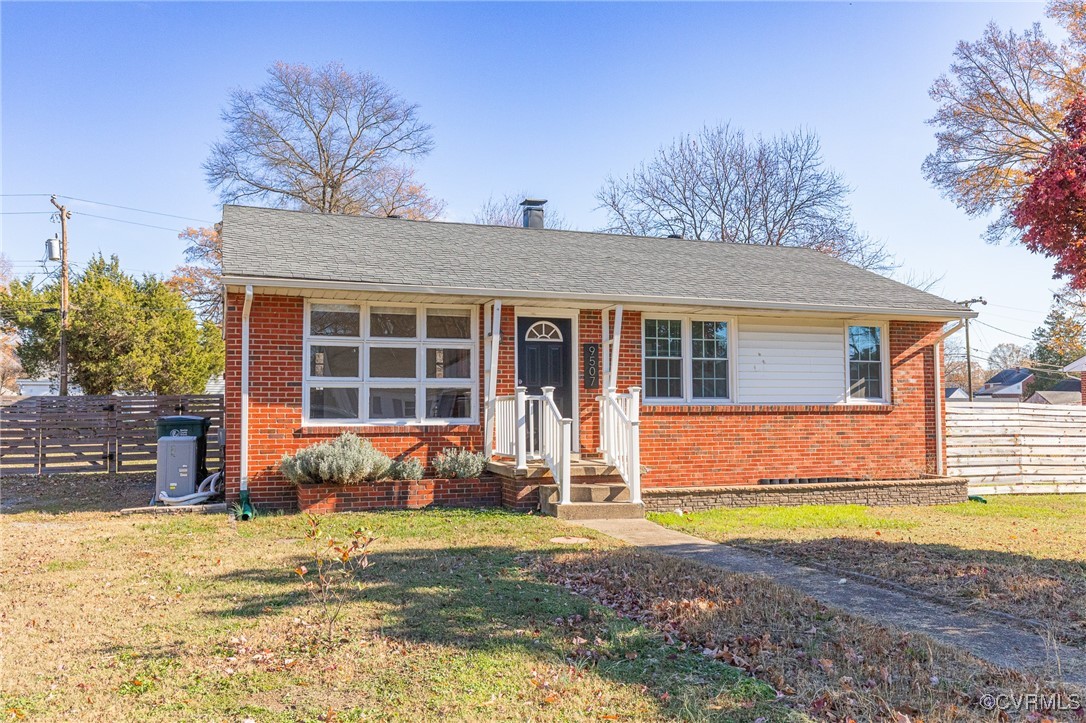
119, 103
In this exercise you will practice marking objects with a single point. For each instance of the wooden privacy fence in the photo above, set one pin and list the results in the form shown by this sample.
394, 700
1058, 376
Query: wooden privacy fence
47, 435
1003, 447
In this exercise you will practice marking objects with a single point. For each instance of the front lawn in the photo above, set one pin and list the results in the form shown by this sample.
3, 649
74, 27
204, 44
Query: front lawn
1024, 555
199, 618
463, 615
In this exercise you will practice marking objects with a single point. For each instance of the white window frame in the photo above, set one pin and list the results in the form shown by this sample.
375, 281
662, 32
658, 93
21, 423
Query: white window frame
686, 335
366, 341
884, 362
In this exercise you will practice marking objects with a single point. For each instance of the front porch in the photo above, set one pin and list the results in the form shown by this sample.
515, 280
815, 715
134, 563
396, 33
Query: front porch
535, 432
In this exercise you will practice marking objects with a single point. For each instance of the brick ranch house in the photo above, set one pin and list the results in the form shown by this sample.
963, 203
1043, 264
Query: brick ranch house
685, 373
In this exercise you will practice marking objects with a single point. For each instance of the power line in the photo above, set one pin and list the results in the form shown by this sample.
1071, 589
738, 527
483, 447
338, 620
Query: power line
121, 220
137, 210
1027, 338
24, 213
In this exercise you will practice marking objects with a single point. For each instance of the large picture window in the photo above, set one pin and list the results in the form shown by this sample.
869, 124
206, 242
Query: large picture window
389, 364
686, 359
866, 363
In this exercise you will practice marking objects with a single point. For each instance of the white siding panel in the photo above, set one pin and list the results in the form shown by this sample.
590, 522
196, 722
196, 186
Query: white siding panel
786, 361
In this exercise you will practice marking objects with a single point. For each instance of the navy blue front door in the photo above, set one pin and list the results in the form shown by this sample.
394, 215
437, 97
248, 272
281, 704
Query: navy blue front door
545, 358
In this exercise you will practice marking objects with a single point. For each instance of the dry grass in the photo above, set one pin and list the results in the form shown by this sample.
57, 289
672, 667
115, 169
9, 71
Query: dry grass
196, 618
463, 615
1024, 555
828, 665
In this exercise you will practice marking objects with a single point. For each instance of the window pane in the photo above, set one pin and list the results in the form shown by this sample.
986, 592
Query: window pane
333, 403
710, 339
663, 378
710, 379
334, 320
392, 363
448, 403
863, 343
392, 403
333, 361
865, 379
448, 363
663, 337
392, 321
663, 358
448, 323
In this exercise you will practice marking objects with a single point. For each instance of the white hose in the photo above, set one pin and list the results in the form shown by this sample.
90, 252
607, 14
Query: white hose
207, 489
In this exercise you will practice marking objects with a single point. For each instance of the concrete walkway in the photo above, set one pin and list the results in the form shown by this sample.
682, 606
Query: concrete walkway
996, 641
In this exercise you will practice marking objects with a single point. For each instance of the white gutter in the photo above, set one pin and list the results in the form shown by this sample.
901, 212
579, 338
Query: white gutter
594, 298
940, 464
243, 446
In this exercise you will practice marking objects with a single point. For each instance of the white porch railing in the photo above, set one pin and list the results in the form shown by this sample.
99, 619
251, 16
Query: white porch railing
620, 436
530, 426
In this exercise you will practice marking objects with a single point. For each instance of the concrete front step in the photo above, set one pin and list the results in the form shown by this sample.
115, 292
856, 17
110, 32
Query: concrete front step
586, 493
578, 467
591, 502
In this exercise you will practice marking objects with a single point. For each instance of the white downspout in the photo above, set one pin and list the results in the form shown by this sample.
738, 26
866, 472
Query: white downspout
940, 464
243, 446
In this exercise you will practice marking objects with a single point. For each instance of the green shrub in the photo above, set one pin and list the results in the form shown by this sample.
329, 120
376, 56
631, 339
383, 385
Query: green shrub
343, 461
459, 462
409, 468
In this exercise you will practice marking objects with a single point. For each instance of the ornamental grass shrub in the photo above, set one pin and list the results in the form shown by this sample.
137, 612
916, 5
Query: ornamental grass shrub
459, 462
345, 460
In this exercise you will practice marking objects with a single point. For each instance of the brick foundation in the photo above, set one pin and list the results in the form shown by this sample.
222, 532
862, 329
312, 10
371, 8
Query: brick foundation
935, 491
400, 495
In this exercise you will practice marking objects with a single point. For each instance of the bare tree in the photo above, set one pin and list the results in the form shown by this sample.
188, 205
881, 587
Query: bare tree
1008, 356
507, 211
720, 185
998, 111
324, 140
200, 279
956, 369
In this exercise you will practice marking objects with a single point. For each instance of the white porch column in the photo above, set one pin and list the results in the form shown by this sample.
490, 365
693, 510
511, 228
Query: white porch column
490, 371
616, 343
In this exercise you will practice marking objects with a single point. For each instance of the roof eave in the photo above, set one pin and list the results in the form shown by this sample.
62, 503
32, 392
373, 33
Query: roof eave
381, 287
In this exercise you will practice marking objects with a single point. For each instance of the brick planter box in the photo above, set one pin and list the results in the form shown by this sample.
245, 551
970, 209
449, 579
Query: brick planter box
930, 491
400, 495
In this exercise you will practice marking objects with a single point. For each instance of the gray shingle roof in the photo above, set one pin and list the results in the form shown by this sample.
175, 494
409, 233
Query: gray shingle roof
260, 243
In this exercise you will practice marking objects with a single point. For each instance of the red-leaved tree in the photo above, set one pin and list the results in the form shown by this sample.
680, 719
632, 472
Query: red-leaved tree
1052, 213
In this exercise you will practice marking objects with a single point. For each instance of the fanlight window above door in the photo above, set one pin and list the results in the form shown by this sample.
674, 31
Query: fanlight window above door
543, 331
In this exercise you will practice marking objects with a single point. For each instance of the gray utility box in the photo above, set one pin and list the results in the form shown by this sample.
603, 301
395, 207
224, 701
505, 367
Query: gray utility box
177, 474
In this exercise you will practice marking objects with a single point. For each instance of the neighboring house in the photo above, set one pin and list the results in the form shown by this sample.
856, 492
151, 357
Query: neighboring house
1009, 385
739, 363
44, 388
956, 394
1079, 367
1066, 391
215, 385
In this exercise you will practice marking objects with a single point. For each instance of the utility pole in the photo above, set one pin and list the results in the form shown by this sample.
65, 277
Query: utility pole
65, 214
968, 347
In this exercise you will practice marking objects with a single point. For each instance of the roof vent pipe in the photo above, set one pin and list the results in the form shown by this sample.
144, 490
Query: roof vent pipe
533, 212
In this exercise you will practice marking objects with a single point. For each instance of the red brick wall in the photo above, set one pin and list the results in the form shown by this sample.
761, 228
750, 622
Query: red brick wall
401, 494
740, 444
275, 404
682, 445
